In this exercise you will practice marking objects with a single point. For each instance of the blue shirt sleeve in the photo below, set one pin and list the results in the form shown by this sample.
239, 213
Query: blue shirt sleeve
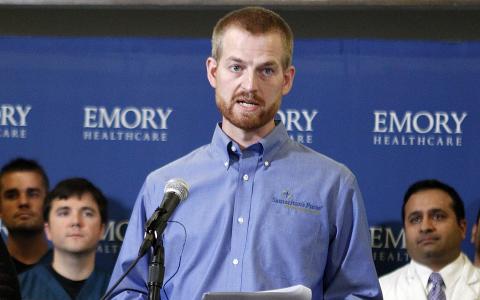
133, 286
349, 271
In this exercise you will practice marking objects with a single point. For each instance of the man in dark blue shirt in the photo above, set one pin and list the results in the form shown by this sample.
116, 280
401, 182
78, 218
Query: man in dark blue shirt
75, 214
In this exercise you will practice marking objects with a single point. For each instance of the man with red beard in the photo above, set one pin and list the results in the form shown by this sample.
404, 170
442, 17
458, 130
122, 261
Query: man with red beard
434, 221
264, 212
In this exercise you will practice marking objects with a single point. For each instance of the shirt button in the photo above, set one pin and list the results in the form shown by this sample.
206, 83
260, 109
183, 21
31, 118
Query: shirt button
266, 163
234, 149
245, 177
235, 261
226, 164
240, 220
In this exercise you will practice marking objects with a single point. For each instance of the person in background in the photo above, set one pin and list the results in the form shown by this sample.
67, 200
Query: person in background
434, 222
75, 214
264, 211
23, 187
9, 288
476, 240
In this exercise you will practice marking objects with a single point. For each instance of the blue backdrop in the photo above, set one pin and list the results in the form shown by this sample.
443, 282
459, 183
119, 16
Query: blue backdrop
114, 109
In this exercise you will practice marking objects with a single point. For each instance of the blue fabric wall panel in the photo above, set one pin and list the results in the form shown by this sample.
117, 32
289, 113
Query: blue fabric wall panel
344, 91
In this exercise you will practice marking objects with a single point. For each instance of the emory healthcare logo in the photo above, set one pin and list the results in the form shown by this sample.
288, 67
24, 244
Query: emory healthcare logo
298, 123
388, 245
422, 128
113, 237
13, 121
145, 124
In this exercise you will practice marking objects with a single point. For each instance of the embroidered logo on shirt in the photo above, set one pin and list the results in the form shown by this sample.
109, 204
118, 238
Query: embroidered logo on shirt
287, 199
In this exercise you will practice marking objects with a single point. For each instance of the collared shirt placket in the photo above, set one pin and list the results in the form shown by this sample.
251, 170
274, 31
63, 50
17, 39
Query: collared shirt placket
247, 165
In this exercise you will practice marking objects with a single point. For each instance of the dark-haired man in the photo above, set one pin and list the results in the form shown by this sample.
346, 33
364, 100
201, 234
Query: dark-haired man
23, 187
264, 212
75, 214
476, 240
434, 222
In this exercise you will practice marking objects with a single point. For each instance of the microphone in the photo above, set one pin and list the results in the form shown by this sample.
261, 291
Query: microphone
175, 191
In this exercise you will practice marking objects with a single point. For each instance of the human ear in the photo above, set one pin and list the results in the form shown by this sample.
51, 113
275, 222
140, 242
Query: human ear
212, 66
288, 76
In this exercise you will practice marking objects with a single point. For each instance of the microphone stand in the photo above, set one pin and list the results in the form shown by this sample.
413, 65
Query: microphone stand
156, 271
175, 191
156, 268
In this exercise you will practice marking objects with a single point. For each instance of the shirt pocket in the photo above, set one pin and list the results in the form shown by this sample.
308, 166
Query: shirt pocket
289, 243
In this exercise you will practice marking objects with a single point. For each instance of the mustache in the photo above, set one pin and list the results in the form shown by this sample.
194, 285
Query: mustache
248, 96
23, 212
427, 237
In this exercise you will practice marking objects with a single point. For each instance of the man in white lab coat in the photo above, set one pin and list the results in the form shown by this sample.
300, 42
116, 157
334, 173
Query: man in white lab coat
434, 221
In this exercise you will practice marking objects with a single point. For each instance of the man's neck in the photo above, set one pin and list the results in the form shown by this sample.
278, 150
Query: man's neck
476, 262
246, 138
27, 249
73, 266
439, 263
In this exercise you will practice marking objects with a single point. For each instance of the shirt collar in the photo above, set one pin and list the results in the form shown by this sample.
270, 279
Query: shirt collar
268, 146
450, 273
423, 273
273, 141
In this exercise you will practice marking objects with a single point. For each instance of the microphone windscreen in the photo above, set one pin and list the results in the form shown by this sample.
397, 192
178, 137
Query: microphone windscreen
177, 186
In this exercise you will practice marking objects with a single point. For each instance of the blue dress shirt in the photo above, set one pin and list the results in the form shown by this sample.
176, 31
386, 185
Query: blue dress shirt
273, 215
